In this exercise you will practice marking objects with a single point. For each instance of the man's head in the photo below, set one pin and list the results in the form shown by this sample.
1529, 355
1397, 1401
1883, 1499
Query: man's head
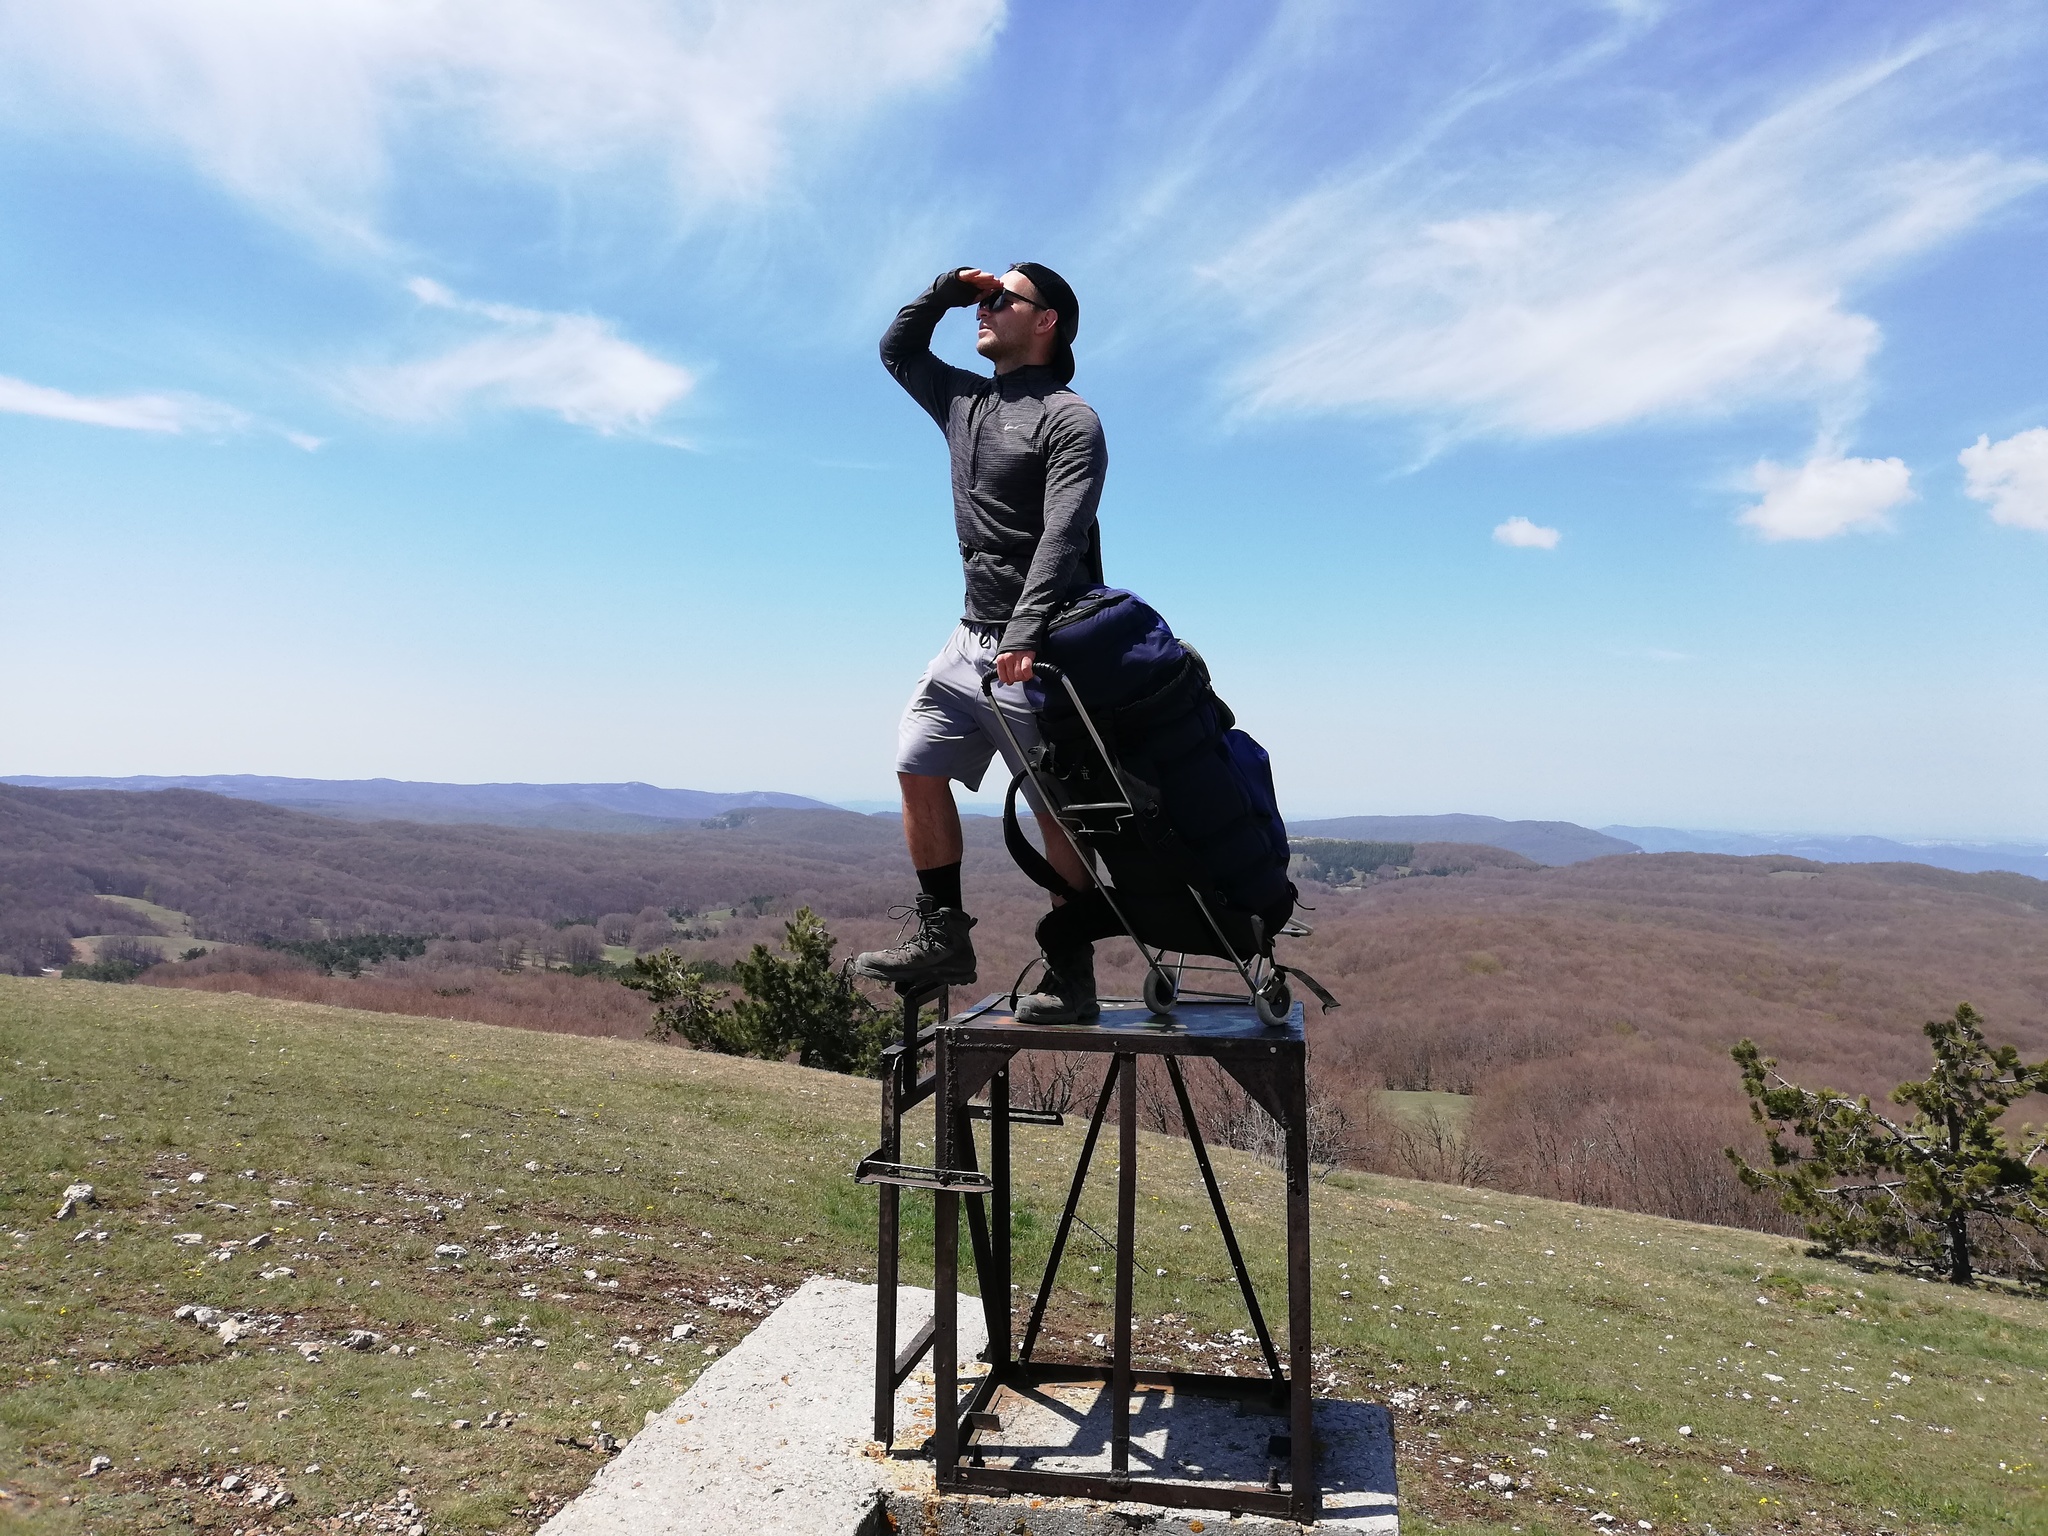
1029, 320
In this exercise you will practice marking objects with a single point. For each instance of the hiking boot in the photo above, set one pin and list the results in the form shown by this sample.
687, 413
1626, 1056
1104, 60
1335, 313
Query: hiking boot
939, 954
1067, 994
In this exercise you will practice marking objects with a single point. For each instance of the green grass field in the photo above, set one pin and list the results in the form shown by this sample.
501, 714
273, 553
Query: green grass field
1414, 1108
603, 1192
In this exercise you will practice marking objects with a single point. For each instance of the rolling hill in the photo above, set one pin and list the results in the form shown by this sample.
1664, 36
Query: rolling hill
1544, 842
584, 807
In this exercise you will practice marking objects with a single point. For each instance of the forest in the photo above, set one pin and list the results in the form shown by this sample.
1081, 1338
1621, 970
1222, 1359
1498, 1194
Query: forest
1554, 1031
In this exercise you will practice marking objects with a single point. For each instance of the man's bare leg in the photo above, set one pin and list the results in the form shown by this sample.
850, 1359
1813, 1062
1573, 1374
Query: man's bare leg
931, 821
931, 831
941, 951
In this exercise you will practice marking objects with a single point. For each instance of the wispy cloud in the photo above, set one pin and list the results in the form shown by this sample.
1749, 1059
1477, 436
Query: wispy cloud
1827, 495
2012, 475
169, 413
574, 366
1519, 533
1560, 283
301, 108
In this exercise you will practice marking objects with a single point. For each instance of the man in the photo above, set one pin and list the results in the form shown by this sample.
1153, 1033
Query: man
1028, 463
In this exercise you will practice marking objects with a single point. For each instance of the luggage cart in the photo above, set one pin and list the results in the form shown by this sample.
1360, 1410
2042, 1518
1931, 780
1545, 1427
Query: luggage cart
1239, 940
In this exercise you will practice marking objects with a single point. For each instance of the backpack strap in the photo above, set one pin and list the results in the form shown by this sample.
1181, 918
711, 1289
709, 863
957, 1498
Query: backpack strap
1034, 864
1311, 983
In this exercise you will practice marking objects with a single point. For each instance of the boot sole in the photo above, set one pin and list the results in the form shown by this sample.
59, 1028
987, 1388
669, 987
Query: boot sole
1085, 1016
920, 978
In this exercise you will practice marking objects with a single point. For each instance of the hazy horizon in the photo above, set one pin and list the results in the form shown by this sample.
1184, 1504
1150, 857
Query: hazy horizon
983, 804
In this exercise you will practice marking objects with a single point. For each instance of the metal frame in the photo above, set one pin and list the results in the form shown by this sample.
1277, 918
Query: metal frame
974, 1051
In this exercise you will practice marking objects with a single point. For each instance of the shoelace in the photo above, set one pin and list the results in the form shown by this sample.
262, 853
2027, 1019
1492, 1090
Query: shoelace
928, 925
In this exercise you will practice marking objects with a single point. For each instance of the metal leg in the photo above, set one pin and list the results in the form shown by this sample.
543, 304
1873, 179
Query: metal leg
1126, 1225
1300, 1415
1244, 1279
945, 1285
999, 1217
1059, 1241
888, 1252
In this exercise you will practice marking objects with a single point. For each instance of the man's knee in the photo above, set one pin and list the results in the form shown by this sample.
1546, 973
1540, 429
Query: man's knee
926, 789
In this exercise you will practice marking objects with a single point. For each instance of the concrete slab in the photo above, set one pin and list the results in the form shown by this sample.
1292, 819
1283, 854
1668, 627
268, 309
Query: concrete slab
774, 1436
1175, 1437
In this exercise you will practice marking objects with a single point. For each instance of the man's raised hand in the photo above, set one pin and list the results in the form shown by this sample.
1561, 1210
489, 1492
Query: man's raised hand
981, 282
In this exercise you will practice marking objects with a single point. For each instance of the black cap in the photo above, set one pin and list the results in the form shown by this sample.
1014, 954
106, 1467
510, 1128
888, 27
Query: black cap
1060, 299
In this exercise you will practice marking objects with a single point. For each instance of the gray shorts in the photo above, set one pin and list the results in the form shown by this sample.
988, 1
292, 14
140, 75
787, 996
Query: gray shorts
948, 730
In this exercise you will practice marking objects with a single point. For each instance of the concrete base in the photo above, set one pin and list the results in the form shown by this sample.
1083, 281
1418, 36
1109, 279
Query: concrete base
774, 1437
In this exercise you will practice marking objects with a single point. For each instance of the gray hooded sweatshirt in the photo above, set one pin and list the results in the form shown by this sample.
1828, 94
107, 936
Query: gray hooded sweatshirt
1028, 464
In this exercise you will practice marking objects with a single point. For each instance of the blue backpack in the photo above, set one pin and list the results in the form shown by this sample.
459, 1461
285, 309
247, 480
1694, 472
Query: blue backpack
1206, 817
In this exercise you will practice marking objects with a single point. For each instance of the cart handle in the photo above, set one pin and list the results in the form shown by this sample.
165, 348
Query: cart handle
1039, 668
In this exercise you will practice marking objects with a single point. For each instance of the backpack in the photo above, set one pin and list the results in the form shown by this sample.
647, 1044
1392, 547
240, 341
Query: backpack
1202, 790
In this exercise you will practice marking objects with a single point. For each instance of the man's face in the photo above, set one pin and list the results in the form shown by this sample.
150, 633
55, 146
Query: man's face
1009, 336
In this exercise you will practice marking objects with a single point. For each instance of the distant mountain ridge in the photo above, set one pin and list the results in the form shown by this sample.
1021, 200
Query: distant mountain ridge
577, 807
1827, 848
1545, 842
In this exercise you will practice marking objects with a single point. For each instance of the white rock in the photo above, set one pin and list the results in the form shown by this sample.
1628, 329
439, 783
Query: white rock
451, 1251
682, 1330
195, 1178
361, 1339
260, 1240
234, 1329
97, 1465
206, 1317
189, 1239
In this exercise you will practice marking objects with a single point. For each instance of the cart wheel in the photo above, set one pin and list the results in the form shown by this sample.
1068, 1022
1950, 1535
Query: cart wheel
1159, 991
1274, 1003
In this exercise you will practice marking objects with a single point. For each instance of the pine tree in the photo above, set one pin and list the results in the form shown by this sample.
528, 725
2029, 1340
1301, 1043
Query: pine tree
1865, 1180
801, 1005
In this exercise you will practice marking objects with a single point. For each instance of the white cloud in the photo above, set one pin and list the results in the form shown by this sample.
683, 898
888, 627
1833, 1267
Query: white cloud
1562, 287
2012, 475
1520, 533
299, 107
576, 366
172, 413
1826, 496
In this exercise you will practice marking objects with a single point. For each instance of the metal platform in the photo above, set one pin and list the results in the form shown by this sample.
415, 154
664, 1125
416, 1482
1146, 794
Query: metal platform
972, 1051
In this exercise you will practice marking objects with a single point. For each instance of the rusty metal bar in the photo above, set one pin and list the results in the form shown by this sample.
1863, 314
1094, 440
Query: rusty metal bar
1126, 1241
1301, 1428
945, 1285
999, 1219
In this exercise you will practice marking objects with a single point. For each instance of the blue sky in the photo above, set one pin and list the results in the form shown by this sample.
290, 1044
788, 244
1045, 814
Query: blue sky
1616, 412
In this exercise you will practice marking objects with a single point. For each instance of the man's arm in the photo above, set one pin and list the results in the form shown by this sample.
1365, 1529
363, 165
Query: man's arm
1077, 460
907, 345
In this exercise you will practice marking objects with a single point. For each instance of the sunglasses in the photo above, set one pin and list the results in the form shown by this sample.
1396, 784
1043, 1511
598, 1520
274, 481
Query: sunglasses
995, 303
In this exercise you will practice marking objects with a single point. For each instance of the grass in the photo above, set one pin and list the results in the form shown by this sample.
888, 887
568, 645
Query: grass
172, 944
1413, 1107
603, 1191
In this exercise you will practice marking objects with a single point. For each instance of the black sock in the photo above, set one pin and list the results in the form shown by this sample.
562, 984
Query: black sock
942, 884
